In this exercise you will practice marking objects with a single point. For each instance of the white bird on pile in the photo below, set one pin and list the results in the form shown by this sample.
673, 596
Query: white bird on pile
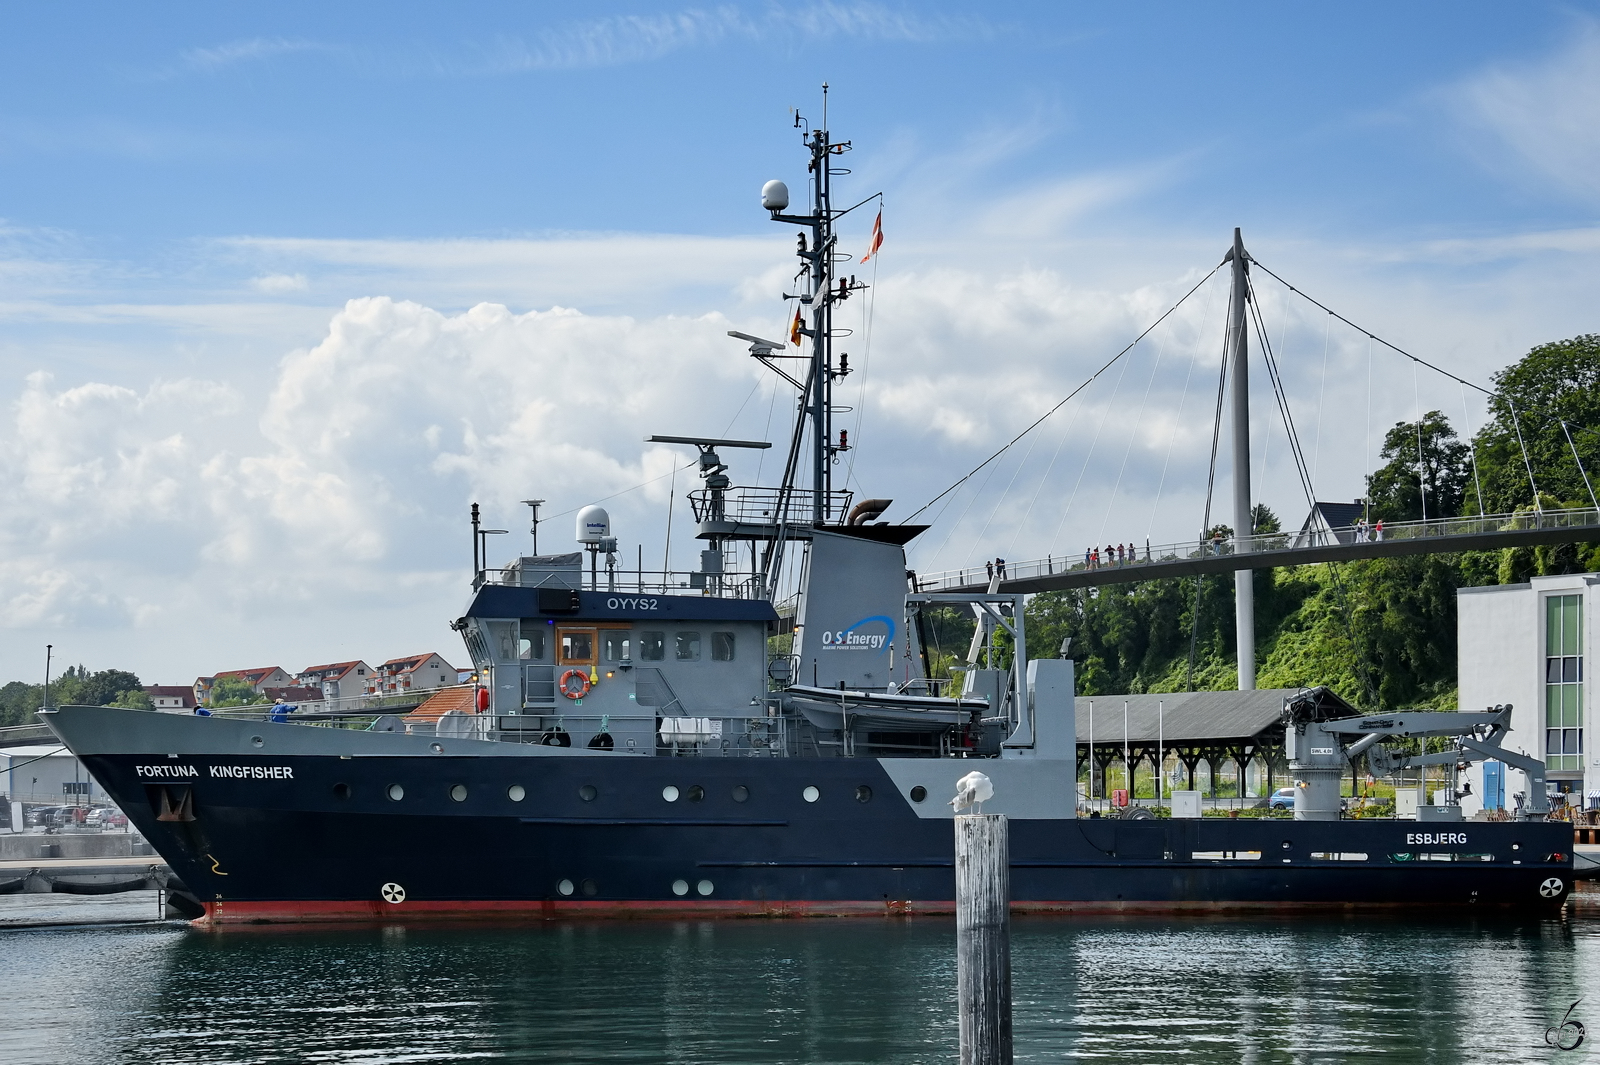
972, 790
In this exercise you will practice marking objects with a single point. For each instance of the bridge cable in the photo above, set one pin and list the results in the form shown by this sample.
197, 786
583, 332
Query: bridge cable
1466, 423
1280, 393
1422, 463
1369, 335
1322, 395
1205, 523
1069, 396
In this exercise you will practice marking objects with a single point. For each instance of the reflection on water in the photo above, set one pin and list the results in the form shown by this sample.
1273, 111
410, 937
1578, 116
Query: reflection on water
794, 991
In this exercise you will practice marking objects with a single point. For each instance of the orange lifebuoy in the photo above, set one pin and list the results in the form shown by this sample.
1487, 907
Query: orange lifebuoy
574, 691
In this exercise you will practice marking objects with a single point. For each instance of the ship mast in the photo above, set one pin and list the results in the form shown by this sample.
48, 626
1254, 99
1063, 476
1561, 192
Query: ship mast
817, 257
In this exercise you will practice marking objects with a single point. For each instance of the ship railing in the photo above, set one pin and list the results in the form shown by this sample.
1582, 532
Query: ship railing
729, 584
754, 505
1267, 543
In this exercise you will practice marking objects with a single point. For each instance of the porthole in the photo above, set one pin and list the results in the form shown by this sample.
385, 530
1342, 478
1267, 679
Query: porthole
704, 887
437, 748
811, 794
863, 794
919, 793
670, 793
516, 793
459, 793
565, 887
740, 793
341, 791
590, 887
257, 741
680, 887
696, 793
396, 792
588, 793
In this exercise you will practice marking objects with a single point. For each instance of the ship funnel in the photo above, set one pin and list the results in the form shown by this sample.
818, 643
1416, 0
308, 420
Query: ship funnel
775, 196
594, 525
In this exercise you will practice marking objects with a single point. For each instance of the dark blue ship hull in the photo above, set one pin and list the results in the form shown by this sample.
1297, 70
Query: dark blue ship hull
319, 837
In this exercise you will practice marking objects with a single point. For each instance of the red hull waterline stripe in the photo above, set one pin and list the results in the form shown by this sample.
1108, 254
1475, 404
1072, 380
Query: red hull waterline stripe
228, 912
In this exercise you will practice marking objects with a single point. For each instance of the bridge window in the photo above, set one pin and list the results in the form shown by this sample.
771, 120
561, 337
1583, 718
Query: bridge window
577, 647
1563, 689
688, 646
616, 643
722, 647
652, 646
533, 644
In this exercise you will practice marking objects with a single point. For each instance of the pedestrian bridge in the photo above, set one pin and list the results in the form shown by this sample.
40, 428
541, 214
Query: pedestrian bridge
1489, 532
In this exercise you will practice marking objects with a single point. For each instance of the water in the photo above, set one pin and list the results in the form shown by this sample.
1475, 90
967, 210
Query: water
818, 991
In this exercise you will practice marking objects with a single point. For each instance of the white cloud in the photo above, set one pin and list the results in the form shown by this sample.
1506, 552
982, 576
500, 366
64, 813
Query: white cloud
279, 284
1547, 114
312, 506
248, 50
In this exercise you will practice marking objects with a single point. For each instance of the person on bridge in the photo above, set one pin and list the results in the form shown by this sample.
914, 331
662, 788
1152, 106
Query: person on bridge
1378, 528
1088, 559
990, 567
1000, 567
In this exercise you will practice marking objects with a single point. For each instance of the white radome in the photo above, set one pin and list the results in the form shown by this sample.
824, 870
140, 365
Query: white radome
775, 195
974, 790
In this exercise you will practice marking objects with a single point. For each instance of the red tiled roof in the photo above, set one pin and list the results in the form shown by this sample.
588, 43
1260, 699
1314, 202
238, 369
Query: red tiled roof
332, 670
448, 699
409, 663
251, 675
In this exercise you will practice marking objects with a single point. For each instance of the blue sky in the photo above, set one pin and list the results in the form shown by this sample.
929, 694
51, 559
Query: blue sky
216, 458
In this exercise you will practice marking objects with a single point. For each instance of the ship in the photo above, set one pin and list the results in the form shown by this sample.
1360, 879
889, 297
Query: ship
763, 736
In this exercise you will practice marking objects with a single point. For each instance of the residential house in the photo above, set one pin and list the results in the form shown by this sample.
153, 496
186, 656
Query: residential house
1330, 523
258, 679
414, 673
295, 693
171, 698
338, 680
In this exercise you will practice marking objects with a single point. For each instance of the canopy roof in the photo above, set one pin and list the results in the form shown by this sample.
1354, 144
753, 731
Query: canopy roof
1200, 717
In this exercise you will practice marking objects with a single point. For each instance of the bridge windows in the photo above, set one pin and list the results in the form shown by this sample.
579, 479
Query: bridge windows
1563, 689
652, 646
722, 647
577, 647
617, 643
687, 646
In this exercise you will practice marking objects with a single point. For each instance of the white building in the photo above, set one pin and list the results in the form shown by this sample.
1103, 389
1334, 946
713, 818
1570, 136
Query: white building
1525, 644
338, 680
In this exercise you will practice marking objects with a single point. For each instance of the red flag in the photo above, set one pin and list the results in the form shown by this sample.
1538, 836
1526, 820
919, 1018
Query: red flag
877, 238
794, 330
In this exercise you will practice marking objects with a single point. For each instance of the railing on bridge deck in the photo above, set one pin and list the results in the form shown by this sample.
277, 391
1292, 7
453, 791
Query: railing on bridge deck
1274, 543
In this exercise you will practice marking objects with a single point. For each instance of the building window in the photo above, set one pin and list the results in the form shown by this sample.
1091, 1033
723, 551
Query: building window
1563, 682
722, 647
688, 646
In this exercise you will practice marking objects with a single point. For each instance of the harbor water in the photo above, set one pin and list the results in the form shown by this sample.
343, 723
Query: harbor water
1398, 989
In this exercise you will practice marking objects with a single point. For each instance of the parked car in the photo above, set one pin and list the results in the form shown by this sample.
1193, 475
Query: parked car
1282, 799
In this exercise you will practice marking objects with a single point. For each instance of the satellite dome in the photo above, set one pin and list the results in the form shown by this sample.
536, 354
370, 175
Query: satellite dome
594, 525
775, 195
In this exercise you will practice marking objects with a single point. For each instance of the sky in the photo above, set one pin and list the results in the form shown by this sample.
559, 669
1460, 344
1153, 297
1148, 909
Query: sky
285, 289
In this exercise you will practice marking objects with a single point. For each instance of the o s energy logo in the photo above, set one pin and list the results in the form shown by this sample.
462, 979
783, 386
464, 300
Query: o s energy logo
855, 639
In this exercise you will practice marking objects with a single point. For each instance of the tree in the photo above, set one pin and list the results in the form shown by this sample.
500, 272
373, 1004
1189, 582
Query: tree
1554, 383
233, 691
1396, 489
